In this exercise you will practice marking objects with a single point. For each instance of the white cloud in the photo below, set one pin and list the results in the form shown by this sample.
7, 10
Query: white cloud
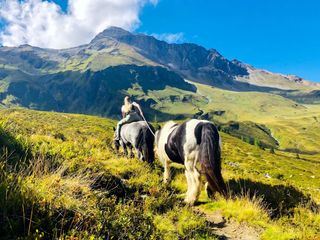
44, 24
170, 37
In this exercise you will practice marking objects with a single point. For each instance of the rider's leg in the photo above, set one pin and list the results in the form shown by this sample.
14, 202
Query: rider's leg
120, 123
132, 117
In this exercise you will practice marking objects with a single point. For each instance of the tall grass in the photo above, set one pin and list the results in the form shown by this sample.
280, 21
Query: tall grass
60, 178
72, 185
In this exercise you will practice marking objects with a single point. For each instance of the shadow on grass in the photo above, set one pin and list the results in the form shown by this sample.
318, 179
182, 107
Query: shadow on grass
13, 150
279, 199
174, 172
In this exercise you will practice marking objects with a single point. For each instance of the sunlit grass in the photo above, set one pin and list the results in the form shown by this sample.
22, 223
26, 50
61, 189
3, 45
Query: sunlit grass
83, 184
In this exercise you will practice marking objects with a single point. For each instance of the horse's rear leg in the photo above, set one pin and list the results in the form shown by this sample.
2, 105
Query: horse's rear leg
140, 155
189, 184
166, 174
211, 190
131, 152
124, 146
194, 182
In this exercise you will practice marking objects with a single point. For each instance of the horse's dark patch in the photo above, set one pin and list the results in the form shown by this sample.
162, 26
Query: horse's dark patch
199, 128
139, 139
210, 158
175, 143
198, 132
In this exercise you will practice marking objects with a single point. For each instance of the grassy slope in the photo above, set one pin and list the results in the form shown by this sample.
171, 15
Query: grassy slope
263, 183
79, 144
269, 79
110, 53
114, 55
249, 106
295, 126
77, 186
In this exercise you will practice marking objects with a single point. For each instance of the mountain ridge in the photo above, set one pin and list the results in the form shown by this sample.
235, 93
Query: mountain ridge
192, 61
27, 68
123, 35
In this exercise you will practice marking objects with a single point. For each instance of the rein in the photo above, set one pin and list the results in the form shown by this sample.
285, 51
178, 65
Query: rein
148, 125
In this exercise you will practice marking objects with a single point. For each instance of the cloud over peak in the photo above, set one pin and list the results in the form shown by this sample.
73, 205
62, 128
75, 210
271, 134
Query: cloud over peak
44, 24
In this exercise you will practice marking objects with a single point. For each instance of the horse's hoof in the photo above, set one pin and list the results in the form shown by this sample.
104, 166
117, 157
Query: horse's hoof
189, 203
166, 181
210, 193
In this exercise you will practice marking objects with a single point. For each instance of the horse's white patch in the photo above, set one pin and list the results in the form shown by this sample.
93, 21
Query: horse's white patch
193, 180
163, 138
191, 148
160, 148
191, 154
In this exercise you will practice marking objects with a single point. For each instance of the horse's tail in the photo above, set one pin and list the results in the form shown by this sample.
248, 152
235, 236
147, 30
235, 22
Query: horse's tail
210, 159
146, 144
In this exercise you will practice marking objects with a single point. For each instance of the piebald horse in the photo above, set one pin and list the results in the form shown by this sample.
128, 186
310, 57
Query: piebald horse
139, 136
192, 143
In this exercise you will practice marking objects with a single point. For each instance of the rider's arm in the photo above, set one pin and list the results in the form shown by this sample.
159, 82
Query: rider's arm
138, 107
122, 112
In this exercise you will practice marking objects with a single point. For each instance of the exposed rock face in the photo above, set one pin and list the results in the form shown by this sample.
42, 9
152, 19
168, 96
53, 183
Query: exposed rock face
192, 61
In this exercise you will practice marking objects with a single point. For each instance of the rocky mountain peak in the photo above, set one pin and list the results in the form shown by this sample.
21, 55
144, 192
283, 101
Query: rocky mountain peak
112, 32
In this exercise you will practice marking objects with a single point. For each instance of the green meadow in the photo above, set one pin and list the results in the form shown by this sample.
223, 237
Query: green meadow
295, 126
61, 178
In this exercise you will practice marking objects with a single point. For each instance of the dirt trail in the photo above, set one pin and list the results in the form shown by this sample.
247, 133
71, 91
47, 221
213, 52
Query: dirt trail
231, 230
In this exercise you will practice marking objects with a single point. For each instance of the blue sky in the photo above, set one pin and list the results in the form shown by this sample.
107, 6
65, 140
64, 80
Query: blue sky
277, 35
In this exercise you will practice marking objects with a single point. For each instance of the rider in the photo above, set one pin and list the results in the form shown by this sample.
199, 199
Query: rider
131, 112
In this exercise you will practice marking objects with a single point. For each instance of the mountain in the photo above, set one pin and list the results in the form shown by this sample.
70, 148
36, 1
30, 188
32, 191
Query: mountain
266, 78
190, 60
93, 78
198, 64
85, 92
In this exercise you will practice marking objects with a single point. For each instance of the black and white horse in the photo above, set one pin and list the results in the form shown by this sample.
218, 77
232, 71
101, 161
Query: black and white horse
137, 135
190, 143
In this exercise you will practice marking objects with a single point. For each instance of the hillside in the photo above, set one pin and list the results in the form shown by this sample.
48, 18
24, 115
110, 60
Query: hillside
93, 79
265, 78
89, 92
267, 117
39, 78
61, 178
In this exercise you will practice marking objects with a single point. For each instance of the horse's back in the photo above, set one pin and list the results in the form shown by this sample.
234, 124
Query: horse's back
181, 141
131, 131
138, 124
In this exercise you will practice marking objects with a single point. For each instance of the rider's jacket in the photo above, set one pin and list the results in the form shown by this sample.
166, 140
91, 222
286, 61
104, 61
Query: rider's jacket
134, 108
